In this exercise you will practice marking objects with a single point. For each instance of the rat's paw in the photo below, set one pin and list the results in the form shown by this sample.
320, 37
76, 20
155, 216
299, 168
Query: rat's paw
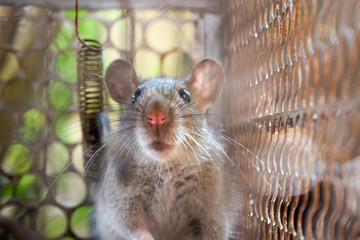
218, 235
142, 234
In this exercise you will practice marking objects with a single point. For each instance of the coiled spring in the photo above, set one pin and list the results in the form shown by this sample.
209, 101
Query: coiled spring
90, 89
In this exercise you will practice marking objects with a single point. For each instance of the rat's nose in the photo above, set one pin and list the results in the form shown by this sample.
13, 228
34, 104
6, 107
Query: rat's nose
156, 118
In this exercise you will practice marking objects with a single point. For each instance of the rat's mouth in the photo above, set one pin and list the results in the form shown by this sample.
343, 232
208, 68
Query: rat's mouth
159, 146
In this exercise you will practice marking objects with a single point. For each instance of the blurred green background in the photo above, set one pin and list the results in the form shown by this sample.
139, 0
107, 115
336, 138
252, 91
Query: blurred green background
41, 184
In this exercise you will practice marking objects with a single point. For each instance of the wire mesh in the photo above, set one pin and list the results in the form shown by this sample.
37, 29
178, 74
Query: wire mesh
41, 142
293, 95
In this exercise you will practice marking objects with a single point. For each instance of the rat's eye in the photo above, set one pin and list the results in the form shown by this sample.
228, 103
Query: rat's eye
135, 95
185, 95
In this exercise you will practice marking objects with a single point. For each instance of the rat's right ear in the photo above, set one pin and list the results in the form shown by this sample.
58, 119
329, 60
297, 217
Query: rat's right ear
206, 82
121, 80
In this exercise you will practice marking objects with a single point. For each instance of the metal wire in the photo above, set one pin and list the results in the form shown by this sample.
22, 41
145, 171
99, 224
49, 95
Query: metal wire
293, 94
90, 88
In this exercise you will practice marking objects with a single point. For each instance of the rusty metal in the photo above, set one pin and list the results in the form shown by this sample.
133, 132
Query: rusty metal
294, 96
292, 103
90, 89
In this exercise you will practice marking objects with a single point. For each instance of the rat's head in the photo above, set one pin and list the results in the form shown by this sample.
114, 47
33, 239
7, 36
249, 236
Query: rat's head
163, 116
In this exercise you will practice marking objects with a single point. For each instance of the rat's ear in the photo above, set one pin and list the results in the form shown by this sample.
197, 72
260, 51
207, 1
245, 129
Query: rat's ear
121, 80
206, 82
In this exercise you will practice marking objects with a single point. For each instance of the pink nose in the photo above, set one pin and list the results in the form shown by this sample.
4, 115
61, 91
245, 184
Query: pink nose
156, 118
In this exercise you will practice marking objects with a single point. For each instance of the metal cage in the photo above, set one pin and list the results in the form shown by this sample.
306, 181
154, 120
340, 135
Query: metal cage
291, 104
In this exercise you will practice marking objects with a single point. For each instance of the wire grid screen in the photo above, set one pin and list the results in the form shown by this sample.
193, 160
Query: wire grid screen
294, 99
39, 121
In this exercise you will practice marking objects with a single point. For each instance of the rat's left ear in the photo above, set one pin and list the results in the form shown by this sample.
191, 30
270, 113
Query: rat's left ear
206, 82
121, 80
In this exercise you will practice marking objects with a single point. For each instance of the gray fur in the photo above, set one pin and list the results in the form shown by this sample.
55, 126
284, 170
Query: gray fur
180, 193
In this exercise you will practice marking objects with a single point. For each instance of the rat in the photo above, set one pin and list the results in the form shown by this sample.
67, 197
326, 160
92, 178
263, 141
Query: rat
165, 174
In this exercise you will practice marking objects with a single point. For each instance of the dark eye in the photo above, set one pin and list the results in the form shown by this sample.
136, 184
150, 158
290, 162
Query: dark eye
135, 95
185, 95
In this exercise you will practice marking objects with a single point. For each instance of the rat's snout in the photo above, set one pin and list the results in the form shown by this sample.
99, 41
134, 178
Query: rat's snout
156, 117
156, 113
